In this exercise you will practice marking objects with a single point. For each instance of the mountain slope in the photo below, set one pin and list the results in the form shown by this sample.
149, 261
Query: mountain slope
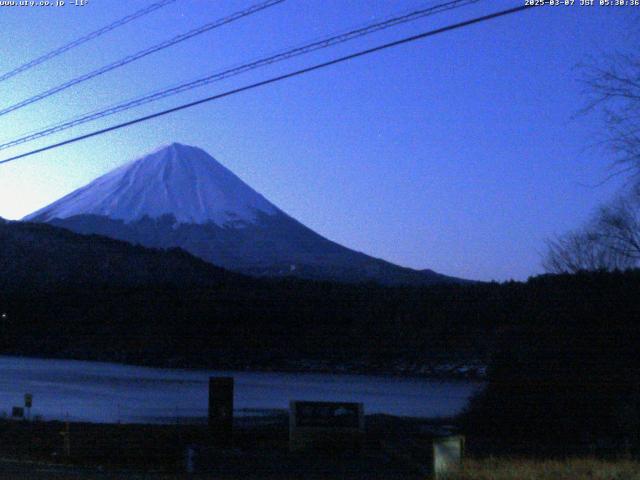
35, 257
179, 196
184, 182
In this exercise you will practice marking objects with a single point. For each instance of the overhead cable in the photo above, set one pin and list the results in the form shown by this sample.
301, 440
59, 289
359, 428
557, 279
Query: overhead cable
86, 38
271, 80
141, 54
271, 59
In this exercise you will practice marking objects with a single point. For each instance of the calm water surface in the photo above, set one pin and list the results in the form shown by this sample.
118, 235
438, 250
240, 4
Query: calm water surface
105, 392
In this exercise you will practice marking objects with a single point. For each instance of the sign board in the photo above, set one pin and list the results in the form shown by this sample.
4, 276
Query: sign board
327, 414
447, 455
221, 410
17, 412
28, 400
325, 423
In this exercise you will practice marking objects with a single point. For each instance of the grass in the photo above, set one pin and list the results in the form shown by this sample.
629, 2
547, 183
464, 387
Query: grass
570, 469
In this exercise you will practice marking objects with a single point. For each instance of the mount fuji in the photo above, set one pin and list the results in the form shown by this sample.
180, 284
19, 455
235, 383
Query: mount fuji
180, 196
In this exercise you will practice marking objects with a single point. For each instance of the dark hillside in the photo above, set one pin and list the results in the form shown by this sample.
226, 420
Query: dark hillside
39, 257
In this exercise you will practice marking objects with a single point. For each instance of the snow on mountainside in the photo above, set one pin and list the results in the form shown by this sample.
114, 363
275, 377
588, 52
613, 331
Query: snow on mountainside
180, 196
176, 180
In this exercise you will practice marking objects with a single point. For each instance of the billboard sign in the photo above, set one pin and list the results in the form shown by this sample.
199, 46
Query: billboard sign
325, 423
328, 414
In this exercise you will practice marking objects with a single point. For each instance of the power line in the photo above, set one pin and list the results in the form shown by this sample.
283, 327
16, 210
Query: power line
143, 53
271, 80
65, 48
285, 55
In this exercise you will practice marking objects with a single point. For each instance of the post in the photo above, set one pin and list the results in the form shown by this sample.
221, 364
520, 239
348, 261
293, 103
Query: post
28, 402
221, 410
191, 455
66, 435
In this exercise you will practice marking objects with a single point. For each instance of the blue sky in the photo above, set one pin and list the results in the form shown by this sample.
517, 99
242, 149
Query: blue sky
459, 153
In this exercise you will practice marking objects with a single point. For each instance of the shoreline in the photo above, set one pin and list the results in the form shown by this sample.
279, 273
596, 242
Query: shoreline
471, 371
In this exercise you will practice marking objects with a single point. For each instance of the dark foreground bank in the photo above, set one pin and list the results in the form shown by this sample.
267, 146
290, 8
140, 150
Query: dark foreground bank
260, 450
393, 448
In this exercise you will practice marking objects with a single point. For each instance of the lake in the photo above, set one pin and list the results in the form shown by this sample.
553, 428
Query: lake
106, 392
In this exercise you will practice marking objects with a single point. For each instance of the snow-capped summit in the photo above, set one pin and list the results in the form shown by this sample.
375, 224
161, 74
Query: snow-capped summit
179, 196
179, 180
